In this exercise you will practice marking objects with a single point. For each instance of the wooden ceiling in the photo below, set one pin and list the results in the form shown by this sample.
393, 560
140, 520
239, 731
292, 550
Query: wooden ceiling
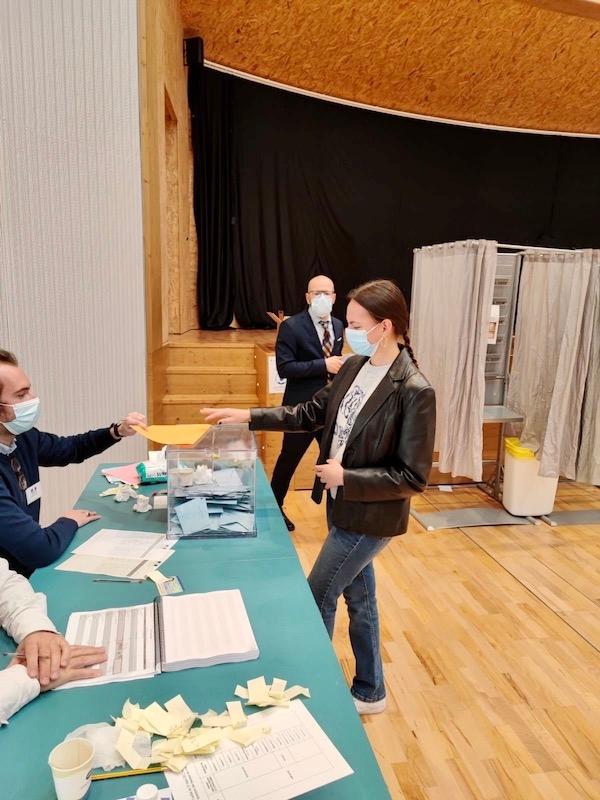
504, 62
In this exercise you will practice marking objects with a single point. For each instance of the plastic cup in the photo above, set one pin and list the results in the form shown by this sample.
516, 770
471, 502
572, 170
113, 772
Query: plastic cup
71, 765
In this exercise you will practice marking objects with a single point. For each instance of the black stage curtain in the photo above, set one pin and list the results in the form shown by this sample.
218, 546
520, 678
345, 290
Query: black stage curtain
288, 187
210, 110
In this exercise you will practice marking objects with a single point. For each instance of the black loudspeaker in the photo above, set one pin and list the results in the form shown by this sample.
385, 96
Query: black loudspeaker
193, 51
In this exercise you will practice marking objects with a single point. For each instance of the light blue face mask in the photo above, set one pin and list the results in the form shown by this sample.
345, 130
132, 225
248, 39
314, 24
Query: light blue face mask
359, 343
321, 306
26, 415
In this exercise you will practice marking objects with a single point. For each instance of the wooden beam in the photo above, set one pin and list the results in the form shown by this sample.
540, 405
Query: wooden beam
577, 8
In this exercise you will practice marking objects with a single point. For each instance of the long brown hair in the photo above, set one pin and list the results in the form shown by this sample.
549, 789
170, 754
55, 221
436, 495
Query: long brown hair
384, 300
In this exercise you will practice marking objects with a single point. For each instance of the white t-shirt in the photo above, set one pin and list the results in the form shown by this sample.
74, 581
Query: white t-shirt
363, 386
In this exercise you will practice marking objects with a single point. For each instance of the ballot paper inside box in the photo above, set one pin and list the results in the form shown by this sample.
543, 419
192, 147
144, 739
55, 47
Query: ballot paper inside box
211, 485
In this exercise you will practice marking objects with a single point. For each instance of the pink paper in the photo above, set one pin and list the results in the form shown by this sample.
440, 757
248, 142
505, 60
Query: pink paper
127, 474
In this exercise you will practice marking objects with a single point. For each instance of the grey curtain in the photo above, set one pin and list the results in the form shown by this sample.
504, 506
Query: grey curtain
588, 459
551, 363
453, 287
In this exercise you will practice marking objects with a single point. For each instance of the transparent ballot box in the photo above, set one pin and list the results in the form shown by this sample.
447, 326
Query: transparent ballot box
211, 485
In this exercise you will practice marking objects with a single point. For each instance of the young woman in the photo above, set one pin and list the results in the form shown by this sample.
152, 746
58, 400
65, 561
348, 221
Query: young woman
378, 422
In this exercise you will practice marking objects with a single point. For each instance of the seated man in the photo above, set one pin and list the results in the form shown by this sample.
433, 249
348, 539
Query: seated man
23, 449
44, 660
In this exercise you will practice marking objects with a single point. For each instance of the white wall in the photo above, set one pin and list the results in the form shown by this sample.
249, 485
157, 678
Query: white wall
71, 261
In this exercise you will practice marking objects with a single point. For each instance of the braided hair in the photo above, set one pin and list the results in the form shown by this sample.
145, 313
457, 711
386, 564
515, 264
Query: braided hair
384, 300
408, 346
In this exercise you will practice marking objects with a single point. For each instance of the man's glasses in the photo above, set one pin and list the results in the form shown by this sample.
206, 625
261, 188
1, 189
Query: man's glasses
327, 294
16, 467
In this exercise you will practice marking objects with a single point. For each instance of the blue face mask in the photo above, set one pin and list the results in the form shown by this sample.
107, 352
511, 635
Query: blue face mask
321, 306
359, 343
26, 415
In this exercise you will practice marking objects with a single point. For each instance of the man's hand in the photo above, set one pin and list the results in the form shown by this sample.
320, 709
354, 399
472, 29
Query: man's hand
125, 426
331, 473
81, 517
333, 364
226, 416
44, 654
78, 668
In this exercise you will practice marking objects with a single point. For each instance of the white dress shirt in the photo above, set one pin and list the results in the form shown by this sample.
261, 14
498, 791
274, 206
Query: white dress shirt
22, 611
319, 328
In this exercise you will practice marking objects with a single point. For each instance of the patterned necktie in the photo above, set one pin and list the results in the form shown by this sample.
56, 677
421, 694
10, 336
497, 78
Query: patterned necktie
326, 337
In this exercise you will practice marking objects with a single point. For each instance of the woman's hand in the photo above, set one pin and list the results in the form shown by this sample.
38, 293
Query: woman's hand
226, 416
331, 473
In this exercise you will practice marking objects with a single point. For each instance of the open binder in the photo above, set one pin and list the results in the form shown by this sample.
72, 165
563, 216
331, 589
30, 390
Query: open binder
172, 633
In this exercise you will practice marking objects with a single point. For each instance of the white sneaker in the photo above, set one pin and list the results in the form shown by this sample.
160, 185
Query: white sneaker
375, 707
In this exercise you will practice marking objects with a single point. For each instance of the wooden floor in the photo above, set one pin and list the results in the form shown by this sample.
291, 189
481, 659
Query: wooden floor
491, 640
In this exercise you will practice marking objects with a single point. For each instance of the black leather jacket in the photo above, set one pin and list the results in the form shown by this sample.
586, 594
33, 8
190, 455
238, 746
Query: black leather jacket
389, 451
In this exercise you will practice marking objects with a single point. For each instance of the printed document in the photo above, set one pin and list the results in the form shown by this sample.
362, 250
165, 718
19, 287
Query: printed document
122, 554
127, 634
125, 544
294, 758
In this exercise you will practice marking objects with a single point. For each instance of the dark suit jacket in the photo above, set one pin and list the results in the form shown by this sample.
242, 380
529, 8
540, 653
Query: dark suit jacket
300, 357
388, 454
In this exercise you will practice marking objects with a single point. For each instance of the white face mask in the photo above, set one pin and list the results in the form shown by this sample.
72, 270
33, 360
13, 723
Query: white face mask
26, 415
321, 305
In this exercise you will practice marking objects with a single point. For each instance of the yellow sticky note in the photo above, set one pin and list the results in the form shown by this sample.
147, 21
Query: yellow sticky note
173, 434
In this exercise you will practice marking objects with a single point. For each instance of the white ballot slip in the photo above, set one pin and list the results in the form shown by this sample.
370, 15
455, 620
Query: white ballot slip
294, 758
174, 632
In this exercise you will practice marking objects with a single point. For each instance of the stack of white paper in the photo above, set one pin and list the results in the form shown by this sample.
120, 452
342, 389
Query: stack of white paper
123, 554
198, 630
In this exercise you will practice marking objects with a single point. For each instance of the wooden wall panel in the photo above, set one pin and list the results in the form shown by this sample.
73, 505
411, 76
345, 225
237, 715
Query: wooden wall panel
169, 237
502, 62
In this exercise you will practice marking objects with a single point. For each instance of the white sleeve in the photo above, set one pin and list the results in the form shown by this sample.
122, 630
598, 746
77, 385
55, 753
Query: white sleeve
22, 611
16, 689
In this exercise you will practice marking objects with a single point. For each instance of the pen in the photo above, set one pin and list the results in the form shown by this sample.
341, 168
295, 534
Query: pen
20, 655
119, 580
125, 773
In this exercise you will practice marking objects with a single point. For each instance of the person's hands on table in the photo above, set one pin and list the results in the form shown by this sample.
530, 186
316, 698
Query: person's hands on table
44, 653
331, 473
81, 516
83, 658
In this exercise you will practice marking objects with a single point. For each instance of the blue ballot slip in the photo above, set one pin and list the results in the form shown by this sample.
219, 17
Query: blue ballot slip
193, 516
228, 479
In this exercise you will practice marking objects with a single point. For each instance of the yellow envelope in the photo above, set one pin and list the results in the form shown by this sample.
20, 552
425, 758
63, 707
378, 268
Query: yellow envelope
173, 434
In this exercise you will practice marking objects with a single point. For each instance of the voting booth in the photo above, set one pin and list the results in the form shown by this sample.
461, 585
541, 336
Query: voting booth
212, 485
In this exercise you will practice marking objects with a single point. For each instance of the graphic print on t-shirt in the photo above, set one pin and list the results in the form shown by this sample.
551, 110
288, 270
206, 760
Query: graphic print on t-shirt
348, 410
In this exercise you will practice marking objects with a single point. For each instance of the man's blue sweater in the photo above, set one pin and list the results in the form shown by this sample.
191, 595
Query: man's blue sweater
23, 542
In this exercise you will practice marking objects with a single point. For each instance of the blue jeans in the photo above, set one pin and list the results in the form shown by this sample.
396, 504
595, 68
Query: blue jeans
344, 566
